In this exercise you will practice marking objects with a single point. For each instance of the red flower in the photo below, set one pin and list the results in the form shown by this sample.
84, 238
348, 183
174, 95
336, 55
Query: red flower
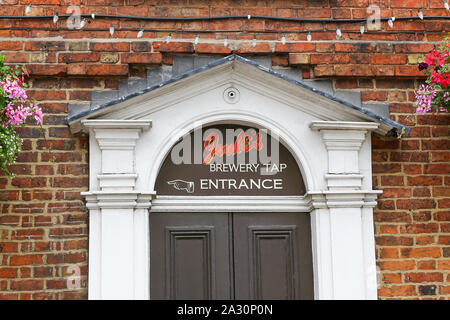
442, 79
434, 58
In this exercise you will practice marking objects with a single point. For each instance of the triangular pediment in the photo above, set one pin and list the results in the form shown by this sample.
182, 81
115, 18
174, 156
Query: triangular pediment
258, 83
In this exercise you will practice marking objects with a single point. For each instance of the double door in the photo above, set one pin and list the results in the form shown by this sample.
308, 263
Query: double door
230, 256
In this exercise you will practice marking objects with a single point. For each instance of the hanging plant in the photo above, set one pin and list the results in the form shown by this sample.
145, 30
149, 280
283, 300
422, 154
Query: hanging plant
435, 93
15, 110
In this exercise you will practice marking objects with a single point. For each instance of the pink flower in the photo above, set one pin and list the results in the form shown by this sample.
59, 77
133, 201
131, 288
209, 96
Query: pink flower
13, 90
38, 114
424, 97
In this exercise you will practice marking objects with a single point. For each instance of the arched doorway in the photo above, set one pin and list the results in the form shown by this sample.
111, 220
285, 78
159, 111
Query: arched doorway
235, 251
329, 139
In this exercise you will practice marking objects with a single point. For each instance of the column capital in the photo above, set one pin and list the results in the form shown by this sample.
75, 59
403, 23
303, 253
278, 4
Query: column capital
117, 142
342, 199
343, 141
118, 200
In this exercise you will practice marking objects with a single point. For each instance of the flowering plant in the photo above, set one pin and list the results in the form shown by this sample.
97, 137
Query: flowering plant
435, 94
15, 109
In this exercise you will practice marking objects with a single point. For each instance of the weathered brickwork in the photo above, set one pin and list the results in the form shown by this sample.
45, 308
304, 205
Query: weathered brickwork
43, 220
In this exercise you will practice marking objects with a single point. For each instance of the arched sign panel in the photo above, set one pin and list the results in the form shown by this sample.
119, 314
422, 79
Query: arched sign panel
229, 160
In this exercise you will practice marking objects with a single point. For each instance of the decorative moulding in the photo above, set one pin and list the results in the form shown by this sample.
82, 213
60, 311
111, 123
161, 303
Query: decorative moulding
117, 124
118, 200
343, 125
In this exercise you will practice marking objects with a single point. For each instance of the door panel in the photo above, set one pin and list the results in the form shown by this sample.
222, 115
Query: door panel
189, 256
230, 256
272, 256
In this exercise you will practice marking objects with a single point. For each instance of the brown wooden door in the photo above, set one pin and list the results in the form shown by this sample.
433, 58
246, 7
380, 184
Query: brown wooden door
230, 256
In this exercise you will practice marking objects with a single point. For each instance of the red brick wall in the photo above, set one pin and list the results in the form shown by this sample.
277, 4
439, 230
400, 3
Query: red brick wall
43, 221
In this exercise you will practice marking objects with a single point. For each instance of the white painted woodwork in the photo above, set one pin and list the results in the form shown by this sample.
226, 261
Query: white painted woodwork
330, 142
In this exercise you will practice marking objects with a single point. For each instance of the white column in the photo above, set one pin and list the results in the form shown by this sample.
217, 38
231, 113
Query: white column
119, 235
342, 224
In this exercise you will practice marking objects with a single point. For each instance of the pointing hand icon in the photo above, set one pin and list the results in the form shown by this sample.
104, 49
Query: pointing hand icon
178, 184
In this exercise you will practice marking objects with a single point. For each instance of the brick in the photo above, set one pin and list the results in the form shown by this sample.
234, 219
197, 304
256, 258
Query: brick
386, 168
388, 59
346, 84
141, 58
46, 69
389, 253
69, 182
8, 273
97, 70
444, 240
353, 70
9, 296
9, 220
386, 205
415, 204
44, 170
444, 264
393, 241
172, 47
421, 192
419, 277
78, 57
25, 260
110, 46
73, 169
395, 193
415, 58
425, 240
424, 180
412, 168
426, 265
27, 285
422, 216
45, 45
398, 290
392, 181
408, 71
75, 244
413, 48
43, 272
56, 284
65, 258
109, 58
394, 216
141, 46
29, 182
298, 58
324, 71
388, 229
437, 168
392, 277
295, 47
425, 252
6, 247
410, 157
419, 228
77, 46
442, 144
43, 296
427, 290
212, 48
11, 45
27, 234
354, 47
